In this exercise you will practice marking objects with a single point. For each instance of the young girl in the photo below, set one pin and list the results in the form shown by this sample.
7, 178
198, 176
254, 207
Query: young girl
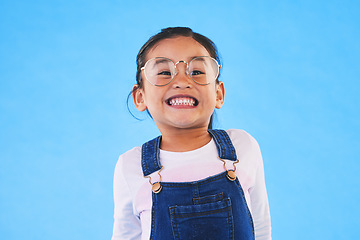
191, 182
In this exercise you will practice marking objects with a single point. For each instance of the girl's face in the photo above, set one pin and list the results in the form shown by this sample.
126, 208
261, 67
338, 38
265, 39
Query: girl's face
182, 104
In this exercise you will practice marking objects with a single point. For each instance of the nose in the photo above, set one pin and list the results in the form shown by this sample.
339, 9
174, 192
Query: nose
182, 78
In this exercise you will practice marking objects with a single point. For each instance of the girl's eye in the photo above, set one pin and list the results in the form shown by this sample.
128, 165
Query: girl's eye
165, 73
196, 72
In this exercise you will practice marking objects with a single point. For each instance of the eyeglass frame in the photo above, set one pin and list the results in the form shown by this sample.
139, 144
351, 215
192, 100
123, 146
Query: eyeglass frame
187, 70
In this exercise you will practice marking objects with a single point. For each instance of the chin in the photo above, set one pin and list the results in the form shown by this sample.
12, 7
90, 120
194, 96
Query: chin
189, 125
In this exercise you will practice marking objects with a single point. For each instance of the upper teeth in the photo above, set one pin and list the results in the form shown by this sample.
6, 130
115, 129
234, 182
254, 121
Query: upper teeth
182, 101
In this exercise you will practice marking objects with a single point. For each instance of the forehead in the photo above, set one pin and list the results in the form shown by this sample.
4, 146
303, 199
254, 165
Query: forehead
178, 48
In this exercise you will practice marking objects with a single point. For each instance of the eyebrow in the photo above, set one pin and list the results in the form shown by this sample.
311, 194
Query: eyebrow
162, 60
165, 59
198, 57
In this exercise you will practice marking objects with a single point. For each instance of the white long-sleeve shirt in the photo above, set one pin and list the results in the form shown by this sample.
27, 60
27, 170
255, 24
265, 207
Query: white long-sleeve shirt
133, 195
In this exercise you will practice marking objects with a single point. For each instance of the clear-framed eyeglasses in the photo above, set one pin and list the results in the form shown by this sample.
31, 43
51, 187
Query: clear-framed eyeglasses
160, 71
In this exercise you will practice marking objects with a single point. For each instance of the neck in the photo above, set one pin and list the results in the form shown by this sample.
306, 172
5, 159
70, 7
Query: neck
185, 139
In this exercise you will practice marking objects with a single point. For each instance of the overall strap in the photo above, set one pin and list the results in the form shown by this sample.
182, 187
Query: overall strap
150, 156
223, 143
150, 151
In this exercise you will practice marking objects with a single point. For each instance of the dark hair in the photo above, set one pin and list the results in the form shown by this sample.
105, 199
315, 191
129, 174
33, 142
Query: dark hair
173, 32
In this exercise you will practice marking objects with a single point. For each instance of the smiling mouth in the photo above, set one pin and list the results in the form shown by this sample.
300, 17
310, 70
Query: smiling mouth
182, 101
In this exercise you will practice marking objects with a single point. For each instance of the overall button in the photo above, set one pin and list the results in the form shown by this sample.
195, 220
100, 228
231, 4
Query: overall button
156, 187
231, 175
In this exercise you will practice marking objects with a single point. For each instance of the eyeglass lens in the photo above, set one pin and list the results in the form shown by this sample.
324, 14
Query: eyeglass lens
202, 70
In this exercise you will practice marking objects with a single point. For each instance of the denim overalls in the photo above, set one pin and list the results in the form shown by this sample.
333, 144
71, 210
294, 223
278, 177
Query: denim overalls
212, 208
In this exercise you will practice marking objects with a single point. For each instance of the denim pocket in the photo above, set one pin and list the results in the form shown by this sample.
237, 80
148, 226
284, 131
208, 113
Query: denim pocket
209, 198
211, 221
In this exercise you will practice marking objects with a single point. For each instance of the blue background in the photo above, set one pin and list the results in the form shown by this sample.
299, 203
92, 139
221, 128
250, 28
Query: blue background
291, 71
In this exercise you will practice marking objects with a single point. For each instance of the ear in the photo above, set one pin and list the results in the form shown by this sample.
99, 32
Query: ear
220, 95
138, 97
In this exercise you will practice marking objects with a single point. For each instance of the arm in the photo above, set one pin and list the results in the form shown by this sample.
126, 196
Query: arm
259, 202
248, 151
126, 225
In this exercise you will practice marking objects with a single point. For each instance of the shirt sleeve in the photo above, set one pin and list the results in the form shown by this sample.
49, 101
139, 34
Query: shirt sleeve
259, 201
126, 224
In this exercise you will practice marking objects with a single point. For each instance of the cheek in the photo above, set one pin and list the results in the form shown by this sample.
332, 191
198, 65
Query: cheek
153, 95
212, 95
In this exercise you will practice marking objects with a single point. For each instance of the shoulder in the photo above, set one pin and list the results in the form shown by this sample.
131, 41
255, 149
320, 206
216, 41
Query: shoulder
241, 137
129, 162
244, 143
